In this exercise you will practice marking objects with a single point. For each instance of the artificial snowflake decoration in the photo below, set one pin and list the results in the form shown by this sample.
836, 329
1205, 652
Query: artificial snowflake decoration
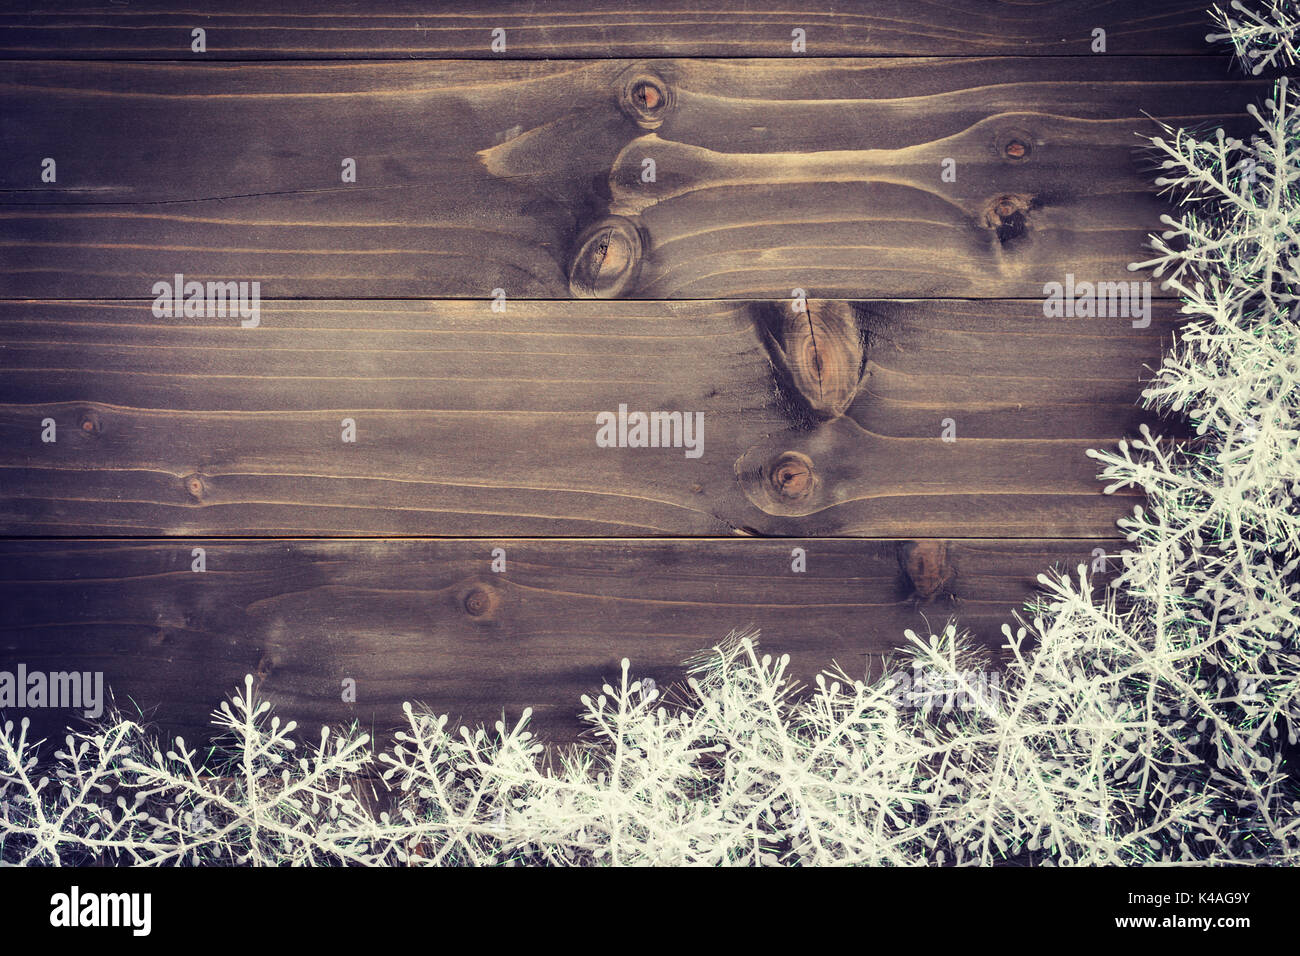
120, 796
1263, 38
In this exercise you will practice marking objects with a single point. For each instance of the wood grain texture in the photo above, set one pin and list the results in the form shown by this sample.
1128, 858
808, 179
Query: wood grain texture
403, 29
527, 176
475, 423
523, 172
428, 621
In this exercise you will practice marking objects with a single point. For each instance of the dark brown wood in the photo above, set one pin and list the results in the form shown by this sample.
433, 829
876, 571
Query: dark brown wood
470, 422
529, 177
524, 172
404, 29
430, 621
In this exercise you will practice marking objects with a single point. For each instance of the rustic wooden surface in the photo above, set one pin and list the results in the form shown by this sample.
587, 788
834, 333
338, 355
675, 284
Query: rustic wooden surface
471, 422
522, 171
820, 174
402, 29
428, 620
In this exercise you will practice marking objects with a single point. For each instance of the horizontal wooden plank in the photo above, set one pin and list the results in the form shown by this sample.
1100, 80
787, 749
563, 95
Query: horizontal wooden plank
470, 422
403, 29
531, 177
430, 621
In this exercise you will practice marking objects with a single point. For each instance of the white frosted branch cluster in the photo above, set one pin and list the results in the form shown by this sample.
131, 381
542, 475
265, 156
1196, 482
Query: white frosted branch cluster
1148, 721
1211, 578
115, 797
1085, 752
1264, 35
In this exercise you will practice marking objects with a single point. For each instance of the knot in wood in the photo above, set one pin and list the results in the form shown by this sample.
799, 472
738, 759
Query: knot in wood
90, 423
645, 97
265, 665
925, 564
1008, 216
824, 355
608, 259
792, 476
1014, 144
194, 485
480, 601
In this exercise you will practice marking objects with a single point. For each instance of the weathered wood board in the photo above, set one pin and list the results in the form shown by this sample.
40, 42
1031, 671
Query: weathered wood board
428, 619
402, 29
920, 173
821, 174
470, 422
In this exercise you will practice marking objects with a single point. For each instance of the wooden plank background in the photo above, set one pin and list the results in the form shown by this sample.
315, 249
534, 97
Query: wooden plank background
475, 423
428, 619
404, 29
818, 174
521, 172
